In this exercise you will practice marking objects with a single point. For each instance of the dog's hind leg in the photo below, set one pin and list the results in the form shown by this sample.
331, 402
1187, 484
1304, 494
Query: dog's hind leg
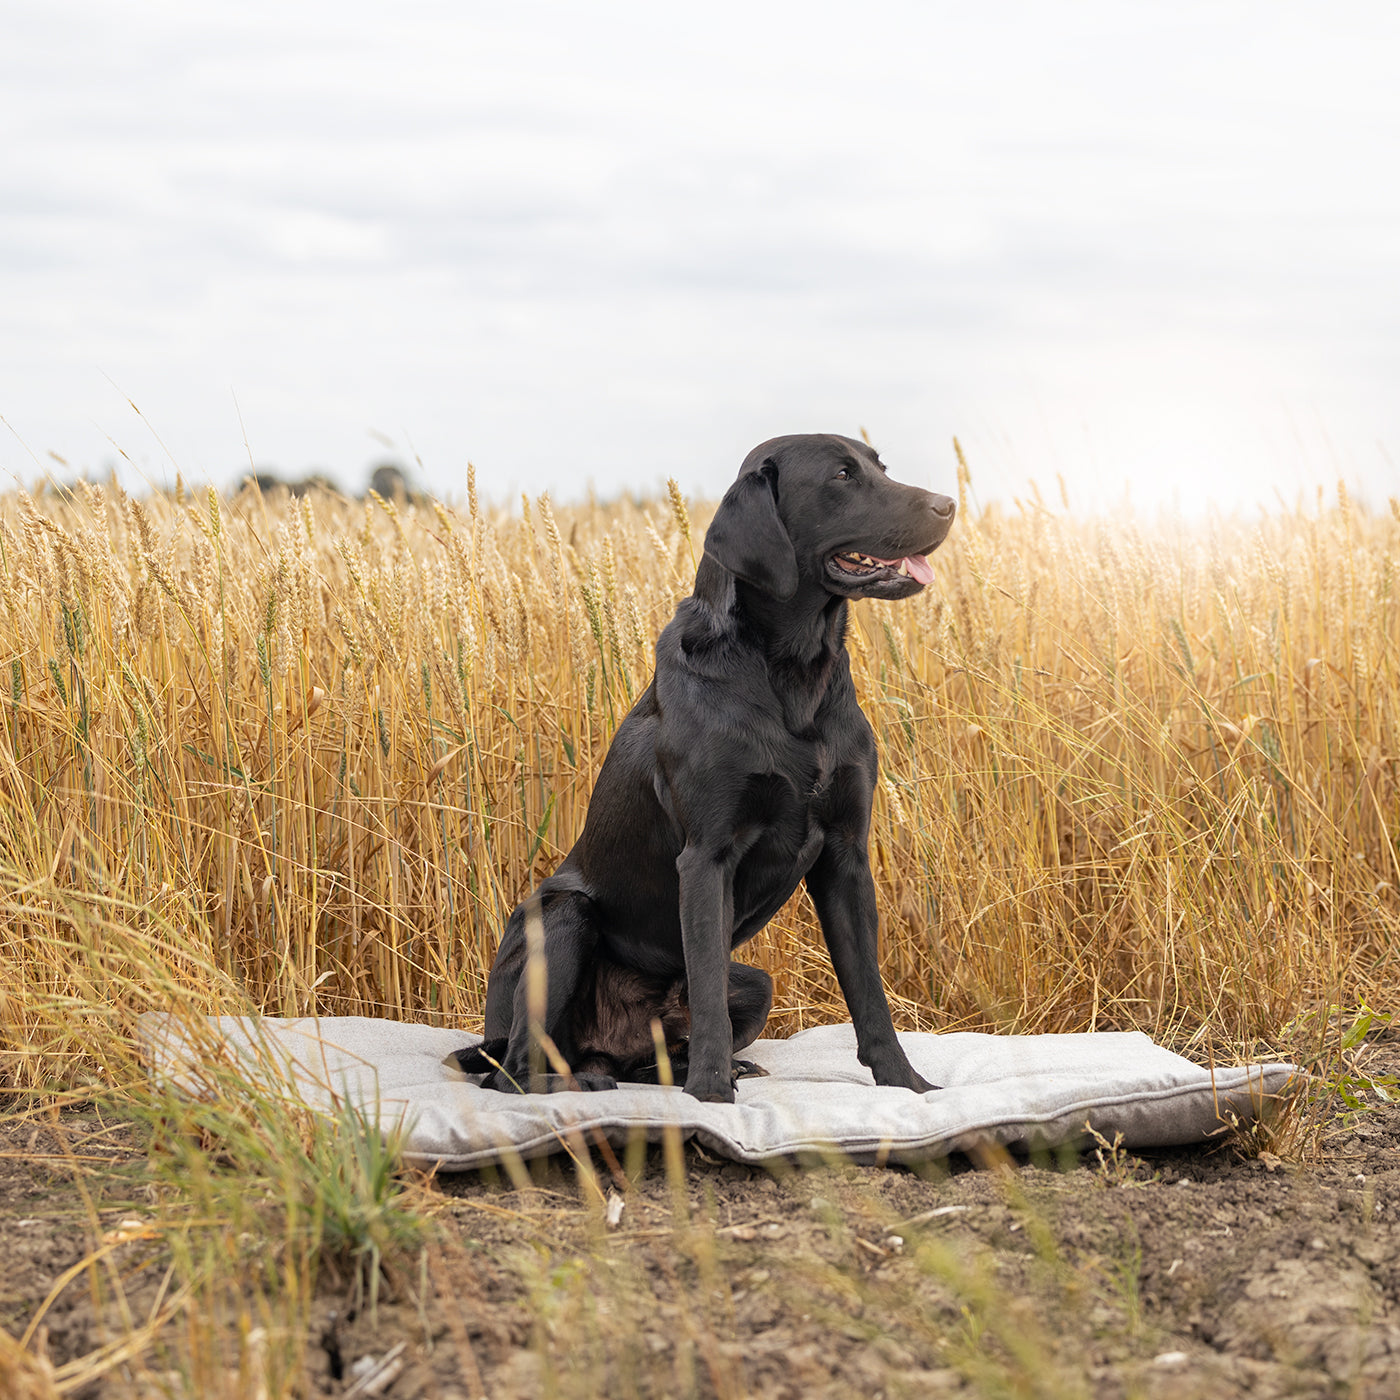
505, 977
750, 1001
568, 943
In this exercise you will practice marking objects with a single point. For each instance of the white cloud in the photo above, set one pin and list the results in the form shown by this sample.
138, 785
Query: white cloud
627, 241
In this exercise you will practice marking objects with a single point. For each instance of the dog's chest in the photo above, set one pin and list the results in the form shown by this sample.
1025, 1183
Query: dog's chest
798, 792
784, 834
821, 768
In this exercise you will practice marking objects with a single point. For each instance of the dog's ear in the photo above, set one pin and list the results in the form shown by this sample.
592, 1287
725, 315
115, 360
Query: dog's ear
747, 536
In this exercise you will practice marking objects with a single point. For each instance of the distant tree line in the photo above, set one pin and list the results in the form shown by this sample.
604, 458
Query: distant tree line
388, 479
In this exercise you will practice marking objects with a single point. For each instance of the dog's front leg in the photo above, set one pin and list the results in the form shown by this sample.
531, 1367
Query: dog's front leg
843, 890
707, 927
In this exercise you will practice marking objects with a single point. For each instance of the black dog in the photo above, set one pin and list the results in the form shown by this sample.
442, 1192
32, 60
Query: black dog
746, 767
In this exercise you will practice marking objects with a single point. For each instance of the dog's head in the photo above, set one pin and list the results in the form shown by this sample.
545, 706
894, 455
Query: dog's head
816, 508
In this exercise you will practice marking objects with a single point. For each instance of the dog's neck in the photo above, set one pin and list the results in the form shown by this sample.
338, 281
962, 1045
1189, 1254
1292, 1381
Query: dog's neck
803, 636
797, 631
802, 631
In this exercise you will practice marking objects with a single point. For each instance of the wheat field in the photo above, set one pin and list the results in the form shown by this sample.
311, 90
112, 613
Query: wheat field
304, 755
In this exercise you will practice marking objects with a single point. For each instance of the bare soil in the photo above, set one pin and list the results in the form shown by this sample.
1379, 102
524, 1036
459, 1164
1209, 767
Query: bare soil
1185, 1273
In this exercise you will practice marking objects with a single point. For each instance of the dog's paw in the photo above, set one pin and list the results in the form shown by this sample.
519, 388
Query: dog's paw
711, 1087
479, 1059
920, 1085
502, 1083
902, 1076
591, 1083
746, 1069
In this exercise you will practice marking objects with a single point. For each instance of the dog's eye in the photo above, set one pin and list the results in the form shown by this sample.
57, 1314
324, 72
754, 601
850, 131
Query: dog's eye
843, 475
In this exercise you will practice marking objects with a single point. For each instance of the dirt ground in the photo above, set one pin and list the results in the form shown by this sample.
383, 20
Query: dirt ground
1184, 1273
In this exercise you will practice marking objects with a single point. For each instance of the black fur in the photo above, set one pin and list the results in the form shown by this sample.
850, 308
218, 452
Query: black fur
745, 768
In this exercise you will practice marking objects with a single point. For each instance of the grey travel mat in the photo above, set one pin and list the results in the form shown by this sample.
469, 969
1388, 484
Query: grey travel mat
1019, 1091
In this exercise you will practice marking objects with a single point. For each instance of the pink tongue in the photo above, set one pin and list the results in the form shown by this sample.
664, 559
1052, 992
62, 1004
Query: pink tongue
918, 566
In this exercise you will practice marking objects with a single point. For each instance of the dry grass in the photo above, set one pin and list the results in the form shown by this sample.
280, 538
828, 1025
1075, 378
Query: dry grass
1133, 776
306, 756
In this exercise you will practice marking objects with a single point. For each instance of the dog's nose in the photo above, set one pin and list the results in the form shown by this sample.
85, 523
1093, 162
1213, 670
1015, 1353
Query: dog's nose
944, 507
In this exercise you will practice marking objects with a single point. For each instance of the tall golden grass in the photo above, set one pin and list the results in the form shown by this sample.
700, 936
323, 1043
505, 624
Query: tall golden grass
309, 753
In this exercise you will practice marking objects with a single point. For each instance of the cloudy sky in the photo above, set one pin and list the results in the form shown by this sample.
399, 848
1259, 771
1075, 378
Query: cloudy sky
1148, 247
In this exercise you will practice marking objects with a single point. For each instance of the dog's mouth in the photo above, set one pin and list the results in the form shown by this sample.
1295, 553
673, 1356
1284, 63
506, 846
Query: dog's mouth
851, 566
